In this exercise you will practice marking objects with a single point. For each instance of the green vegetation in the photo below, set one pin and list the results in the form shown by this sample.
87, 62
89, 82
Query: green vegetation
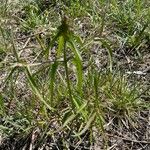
66, 72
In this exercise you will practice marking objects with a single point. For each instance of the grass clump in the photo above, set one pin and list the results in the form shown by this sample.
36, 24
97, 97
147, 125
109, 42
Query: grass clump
56, 91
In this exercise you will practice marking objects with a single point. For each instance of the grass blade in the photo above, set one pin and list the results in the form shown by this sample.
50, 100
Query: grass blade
75, 50
60, 45
35, 89
71, 117
87, 126
78, 64
52, 76
79, 74
2, 107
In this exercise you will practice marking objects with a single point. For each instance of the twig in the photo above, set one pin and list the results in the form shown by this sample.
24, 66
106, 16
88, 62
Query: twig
129, 140
29, 36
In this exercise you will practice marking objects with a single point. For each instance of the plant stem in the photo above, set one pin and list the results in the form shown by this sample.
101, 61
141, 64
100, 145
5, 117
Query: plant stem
67, 74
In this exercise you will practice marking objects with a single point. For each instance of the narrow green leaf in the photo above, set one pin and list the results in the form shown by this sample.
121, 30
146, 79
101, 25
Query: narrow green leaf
14, 47
100, 120
96, 81
87, 126
60, 45
40, 42
75, 50
52, 79
66, 115
78, 103
71, 117
79, 74
78, 39
2, 107
78, 64
35, 89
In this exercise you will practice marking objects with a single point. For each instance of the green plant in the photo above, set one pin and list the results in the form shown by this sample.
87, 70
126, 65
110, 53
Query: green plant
51, 80
130, 23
